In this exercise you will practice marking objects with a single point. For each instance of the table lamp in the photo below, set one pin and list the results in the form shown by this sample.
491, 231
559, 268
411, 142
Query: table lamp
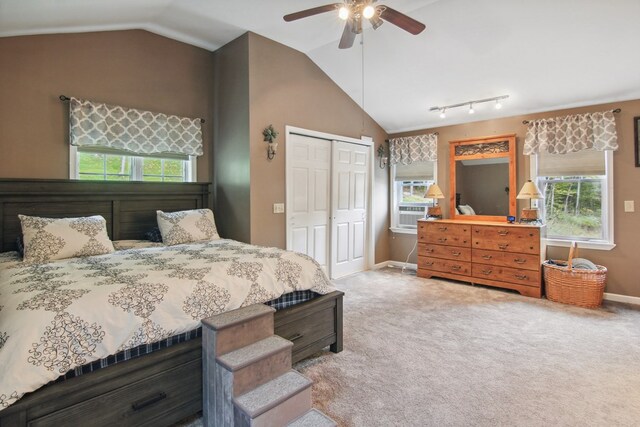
434, 192
529, 191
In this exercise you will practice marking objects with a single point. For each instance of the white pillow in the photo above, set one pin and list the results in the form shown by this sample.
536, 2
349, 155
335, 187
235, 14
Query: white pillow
457, 212
466, 210
187, 226
48, 239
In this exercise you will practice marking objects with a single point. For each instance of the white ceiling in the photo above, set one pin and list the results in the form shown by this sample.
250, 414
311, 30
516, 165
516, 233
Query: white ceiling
545, 54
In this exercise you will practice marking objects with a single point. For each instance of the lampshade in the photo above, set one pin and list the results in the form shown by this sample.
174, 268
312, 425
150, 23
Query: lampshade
434, 192
530, 191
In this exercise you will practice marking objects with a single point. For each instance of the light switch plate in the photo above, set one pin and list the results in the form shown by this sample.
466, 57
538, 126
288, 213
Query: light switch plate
629, 206
278, 208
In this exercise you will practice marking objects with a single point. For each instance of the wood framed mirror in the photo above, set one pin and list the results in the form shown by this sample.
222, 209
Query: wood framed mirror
482, 178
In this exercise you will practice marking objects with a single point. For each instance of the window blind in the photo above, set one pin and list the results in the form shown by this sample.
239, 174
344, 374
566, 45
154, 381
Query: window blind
416, 171
115, 152
581, 163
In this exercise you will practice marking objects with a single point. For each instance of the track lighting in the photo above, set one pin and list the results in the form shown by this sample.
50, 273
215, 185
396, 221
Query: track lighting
368, 11
344, 13
443, 108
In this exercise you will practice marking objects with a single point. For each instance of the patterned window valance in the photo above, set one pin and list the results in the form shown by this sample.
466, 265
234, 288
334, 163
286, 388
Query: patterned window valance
569, 134
409, 149
97, 125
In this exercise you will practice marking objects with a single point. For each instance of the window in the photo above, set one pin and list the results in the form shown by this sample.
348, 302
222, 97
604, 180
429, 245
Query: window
409, 183
101, 165
578, 197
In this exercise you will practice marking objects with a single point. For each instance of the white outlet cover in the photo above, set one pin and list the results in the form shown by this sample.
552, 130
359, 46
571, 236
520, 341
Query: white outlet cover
278, 208
629, 206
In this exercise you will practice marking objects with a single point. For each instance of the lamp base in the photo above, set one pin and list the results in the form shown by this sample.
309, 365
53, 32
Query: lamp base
529, 215
434, 212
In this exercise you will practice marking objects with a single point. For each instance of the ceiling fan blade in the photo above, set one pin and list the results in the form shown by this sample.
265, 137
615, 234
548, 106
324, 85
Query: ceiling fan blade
310, 12
401, 20
348, 36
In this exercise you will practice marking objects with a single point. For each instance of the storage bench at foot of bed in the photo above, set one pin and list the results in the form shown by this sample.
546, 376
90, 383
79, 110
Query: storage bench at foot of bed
165, 386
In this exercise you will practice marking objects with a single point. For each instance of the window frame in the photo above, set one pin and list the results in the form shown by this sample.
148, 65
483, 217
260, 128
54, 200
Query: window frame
607, 199
394, 203
190, 174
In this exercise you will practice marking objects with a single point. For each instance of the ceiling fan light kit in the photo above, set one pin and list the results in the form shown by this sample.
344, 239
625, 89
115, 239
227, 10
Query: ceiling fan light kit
470, 104
355, 11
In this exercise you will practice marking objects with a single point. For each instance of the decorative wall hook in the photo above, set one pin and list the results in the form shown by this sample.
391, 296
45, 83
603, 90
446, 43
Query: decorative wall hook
270, 134
382, 158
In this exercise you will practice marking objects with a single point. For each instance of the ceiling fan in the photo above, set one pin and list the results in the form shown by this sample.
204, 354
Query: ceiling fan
355, 11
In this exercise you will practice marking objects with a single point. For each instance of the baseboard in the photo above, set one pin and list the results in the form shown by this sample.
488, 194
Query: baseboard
395, 264
622, 298
400, 264
380, 265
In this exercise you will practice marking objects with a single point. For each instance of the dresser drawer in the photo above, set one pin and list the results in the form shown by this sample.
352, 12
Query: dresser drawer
444, 233
146, 402
506, 274
445, 252
511, 239
444, 265
507, 259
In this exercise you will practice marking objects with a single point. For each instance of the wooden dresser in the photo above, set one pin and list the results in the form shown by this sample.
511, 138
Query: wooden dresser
488, 253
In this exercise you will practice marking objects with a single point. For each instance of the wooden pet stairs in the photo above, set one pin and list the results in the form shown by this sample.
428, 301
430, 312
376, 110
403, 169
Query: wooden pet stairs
247, 375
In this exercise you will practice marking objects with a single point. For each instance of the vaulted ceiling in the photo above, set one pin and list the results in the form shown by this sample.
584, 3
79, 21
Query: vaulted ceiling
545, 54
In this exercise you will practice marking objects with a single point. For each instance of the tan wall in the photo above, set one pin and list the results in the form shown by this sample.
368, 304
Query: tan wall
622, 260
130, 68
287, 88
231, 165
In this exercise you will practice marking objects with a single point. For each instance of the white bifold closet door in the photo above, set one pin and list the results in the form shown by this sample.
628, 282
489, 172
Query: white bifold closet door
349, 197
327, 200
308, 188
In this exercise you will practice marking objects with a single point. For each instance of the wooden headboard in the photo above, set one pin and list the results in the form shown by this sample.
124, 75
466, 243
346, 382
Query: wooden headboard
129, 207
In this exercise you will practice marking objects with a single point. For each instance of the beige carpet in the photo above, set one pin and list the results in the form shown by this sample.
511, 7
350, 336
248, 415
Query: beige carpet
434, 353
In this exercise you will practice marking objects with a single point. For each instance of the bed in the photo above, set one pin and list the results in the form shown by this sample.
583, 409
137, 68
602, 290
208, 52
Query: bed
164, 386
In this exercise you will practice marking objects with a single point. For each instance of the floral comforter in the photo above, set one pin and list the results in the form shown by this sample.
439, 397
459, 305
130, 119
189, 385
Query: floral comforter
57, 316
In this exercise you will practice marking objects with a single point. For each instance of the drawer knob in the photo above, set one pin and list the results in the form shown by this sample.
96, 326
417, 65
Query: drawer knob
487, 256
520, 261
456, 267
442, 239
486, 272
503, 232
443, 229
521, 277
456, 253
142, 403
430, 250
503, 246
428, 264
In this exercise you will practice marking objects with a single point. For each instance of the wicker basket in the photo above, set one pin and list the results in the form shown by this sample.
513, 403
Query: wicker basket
583, 288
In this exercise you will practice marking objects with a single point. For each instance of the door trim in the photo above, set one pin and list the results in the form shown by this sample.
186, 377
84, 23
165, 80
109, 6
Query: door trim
364, 140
